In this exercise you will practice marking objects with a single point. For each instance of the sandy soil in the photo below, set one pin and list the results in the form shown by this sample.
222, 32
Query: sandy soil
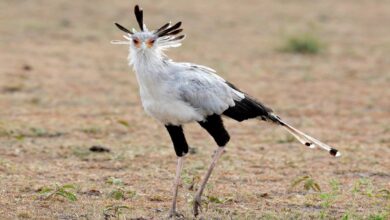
65, 88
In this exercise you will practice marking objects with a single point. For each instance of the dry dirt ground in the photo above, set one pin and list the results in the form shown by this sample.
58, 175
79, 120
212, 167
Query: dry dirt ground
65, 88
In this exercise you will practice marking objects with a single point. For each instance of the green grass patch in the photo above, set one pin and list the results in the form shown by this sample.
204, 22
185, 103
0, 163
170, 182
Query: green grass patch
114, 181
364, 186
65, 191
380, 216
303, 44
286, 139
114, 211
307, 182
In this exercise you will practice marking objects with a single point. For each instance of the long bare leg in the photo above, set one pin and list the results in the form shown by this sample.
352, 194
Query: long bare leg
179, 167
181, 149
198, 200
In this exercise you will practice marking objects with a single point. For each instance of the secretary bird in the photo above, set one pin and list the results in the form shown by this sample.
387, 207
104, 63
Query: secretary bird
176, 93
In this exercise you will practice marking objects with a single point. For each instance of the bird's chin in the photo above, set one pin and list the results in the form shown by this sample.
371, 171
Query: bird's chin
144, 50
136, 50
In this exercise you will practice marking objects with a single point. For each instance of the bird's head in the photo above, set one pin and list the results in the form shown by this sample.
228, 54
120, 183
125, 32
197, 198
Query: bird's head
144, 40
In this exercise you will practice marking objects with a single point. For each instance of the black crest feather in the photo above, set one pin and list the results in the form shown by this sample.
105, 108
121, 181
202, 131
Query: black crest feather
139, 15
170, 30
177, 38
162, 27
175, 32
123, 28
165, 30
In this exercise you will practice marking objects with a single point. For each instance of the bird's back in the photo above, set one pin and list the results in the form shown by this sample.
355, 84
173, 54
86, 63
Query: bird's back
184, 92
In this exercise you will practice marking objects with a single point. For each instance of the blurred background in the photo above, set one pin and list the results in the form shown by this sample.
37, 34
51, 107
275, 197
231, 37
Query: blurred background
322, 65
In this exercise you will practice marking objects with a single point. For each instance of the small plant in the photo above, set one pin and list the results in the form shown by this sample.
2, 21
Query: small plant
156, 198
335, 185
64, 191
122, 194
12, 88
214, 199
115, 211
382, 216
14, 133
124, 123
346, 216
303, 44
384, 193
190, 181
323, 214
308, 183
80, 152
114, 181
24, 215
92, 130
286, 139
21, 134
364, 186
3, 131
38, 132
117, 194
327, 199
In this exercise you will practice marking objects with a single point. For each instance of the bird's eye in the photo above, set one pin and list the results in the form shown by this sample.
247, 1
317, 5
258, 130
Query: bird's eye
135, 41
150, 43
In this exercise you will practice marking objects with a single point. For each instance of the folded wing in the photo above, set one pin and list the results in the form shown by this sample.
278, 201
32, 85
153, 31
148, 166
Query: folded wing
205, 91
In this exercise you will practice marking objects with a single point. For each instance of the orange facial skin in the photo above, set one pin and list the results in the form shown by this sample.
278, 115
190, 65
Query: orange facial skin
137, 43
149, 43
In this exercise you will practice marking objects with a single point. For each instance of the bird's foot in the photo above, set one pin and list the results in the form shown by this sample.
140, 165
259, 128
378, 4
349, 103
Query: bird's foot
197, 205
175, 215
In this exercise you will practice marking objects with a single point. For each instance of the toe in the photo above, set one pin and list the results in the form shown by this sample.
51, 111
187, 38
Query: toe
197, 206
174, 215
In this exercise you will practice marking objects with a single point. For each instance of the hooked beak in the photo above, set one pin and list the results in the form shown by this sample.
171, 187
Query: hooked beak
143, 46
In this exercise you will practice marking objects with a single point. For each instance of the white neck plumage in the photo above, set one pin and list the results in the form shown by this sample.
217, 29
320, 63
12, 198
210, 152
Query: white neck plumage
146, 60
149, 67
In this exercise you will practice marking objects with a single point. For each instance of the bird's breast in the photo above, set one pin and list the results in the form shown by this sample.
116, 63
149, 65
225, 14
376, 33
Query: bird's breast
173, 112
162, 102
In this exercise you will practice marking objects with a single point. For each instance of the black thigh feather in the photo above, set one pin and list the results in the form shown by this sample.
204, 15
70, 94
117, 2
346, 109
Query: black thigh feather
178, 139
214, 126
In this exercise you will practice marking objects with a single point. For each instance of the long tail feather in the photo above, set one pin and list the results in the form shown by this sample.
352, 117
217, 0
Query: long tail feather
304, 138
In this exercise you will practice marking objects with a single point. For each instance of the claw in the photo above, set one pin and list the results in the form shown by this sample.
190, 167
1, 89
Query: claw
173, 215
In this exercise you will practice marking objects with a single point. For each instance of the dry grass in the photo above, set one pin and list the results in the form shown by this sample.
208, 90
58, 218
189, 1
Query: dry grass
64, 88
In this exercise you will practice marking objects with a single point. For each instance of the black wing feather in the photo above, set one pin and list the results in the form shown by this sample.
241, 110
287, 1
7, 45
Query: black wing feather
248, 108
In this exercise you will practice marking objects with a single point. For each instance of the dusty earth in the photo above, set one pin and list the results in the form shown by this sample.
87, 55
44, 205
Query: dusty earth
65, 88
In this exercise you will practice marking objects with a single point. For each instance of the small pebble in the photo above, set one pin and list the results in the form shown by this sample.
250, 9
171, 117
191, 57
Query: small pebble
27, 67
